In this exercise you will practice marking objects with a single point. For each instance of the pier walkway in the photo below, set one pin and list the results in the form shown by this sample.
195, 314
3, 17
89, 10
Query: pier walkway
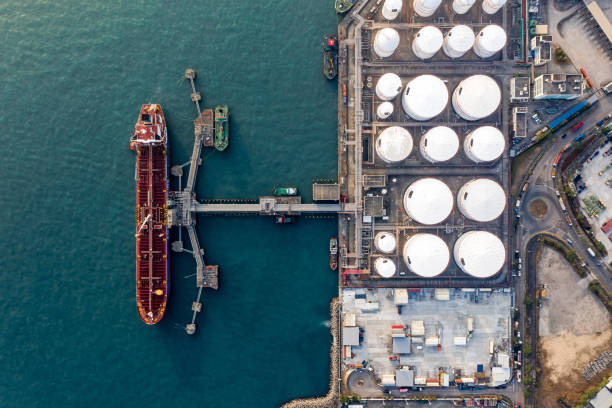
261, 208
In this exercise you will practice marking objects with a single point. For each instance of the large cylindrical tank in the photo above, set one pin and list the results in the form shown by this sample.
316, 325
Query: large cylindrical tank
394, 144
386, 42
426, 255
462, 6
491, 6
385, 242
428, 201
458, 41
479, 254
481, 200
489, 41
439, 144
426, 8
385, 267
427, 42
391, 9
384, 110
484, 144
425, 97
388, 86
476, 97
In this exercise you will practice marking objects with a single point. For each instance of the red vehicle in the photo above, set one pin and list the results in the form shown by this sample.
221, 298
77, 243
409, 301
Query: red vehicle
557, 160
577, 126
584, 74
149, 141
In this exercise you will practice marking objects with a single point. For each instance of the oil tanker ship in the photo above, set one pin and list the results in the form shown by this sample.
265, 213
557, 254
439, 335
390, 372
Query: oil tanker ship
149, 141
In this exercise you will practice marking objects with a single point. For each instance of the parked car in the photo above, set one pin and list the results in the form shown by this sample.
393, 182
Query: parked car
518, 376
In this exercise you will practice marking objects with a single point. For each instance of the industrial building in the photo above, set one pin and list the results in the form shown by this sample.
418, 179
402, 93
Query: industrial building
557, 86
519, 121
541, 46
519, 89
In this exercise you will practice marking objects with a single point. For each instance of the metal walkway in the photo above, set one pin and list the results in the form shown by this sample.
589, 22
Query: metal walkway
276, 209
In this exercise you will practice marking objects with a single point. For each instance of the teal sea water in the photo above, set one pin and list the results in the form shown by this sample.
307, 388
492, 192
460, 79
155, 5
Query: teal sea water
73, 76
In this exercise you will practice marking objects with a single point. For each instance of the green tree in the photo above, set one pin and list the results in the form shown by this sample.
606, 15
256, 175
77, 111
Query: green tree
571, 255
528, 301
527, 349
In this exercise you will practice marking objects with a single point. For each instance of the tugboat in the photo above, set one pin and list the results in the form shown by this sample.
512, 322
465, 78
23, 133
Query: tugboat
342, 6
285, 191
281, 219
221, 127
330, 56
333, 253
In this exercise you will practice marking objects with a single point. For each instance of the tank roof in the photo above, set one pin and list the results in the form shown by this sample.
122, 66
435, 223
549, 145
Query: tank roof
385, 242
429, 39
428, 201
479, 253
439, 144
485, 143
481, 199
394, 144
492, 38
460, 38
386, 41
388, 86
385, 267
425, 97
426, 255
476, 97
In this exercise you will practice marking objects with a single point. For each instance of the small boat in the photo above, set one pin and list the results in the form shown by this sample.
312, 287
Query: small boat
285, 191
221, 127
281, 219
333, 253
330, 56
342, 6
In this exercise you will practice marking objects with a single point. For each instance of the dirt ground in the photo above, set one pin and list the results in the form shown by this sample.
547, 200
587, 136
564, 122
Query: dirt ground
538, 208
574, 329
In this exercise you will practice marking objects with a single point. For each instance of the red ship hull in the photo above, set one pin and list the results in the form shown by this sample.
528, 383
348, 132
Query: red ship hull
149, 141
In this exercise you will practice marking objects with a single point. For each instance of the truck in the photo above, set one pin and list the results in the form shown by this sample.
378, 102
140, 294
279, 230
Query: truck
590, 251
577, 126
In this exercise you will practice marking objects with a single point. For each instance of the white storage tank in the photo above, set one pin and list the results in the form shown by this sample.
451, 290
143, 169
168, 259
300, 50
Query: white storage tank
426, 255
425, 97
386, 42
388, 86
489, 41
426, 8
439, 144
479, 254
427, 42
394, 144
484, 144
385, 242
476, 97
462, 6
384, 110
481, 200
491, 6
428, 201
385, 267
391, 9
458, 41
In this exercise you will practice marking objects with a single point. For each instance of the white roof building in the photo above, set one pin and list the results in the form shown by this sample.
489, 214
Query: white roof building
426, 255
388, 86
428, 201
479, 254
427, 42
490, 40
394, 144
484, 144
481, 200
458, 41
439, 144
386, 42
425, 97
476, 97
385, 242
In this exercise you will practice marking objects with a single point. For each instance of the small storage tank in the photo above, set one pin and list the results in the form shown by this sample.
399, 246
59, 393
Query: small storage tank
491, 6
385, 267
384, 110
479, 254
426, 8
489, 41
481, 200
484, 144
427, 42
391, 9
458, 41
462, 6
388, 86
426, 255
385, 242
394, 144
428, 201
439, 144
425, 97
386, 42
476, 97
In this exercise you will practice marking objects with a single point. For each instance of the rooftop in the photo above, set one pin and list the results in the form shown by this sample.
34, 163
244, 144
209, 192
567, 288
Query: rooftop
554, 84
